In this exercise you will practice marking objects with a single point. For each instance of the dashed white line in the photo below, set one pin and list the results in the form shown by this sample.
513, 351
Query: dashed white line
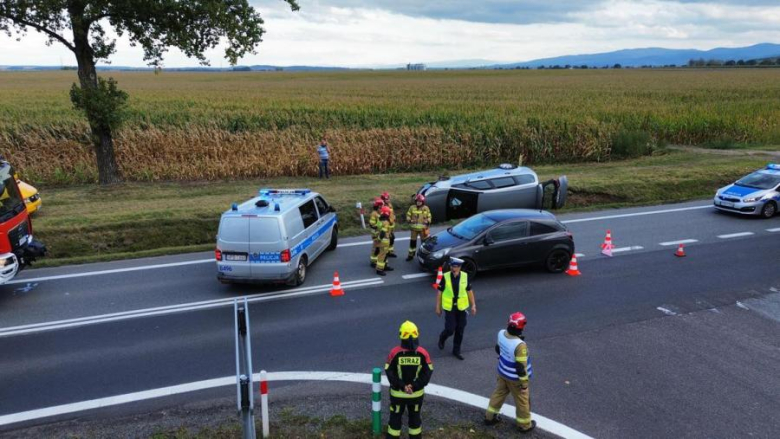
627, 249
668, 312
449, 393
743, 306
773, 230
736, 235
416, 275
579, 255
678, 242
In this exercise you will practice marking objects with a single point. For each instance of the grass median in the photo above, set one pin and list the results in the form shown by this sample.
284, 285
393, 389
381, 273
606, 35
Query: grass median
90, 223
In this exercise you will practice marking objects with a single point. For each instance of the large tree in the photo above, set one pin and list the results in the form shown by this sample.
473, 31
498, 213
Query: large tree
83, 26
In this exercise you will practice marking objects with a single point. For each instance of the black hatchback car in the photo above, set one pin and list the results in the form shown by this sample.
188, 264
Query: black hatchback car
501, 239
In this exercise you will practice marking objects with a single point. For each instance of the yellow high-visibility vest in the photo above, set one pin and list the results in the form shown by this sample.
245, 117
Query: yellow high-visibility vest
448, 294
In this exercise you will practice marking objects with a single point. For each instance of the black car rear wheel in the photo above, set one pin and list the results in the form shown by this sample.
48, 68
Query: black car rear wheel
470, 267
557, 261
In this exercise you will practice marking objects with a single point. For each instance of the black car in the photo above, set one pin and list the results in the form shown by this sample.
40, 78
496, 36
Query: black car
501, 239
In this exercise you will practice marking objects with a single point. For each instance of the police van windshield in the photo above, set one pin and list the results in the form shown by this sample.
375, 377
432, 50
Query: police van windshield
10, 201
472, 227
760, 180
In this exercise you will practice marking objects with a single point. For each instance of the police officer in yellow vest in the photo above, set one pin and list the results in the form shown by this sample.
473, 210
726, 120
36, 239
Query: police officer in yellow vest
455, 296
514, 372
419, 218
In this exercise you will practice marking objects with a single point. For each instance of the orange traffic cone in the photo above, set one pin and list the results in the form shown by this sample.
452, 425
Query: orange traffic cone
573, 269
680, 253
608, 241
336, 290
439, 276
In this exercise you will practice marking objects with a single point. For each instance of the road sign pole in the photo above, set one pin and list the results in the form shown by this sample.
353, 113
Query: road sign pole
376, 402
245, 398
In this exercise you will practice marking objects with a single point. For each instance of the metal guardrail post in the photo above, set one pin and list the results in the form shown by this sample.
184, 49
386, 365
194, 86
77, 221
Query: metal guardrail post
376, 402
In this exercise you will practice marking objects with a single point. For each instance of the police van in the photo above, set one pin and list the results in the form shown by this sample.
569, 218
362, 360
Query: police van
274, 237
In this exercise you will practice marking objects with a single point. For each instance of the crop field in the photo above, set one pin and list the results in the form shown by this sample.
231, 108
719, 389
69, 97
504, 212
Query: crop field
223, 126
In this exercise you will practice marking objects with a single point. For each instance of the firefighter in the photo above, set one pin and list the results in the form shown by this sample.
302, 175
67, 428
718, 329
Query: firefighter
408, 369
385, 232
373, 223
514, 372
386, 199
419, 218
455, 295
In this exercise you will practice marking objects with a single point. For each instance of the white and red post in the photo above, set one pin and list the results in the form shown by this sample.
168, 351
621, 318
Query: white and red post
264, 402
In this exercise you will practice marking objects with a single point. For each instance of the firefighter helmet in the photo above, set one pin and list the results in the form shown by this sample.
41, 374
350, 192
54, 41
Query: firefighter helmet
419, 199
385, 196
517, 320
408, 330
378, 202
385, 211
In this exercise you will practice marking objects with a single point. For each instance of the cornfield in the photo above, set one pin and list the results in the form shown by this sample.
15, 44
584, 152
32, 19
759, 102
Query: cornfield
214, 126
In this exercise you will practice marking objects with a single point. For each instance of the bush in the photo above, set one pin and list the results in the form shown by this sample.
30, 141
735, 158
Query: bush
722, 142
628, 144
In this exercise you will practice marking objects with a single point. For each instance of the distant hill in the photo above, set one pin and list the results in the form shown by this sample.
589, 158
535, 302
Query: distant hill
654, 56
259, 68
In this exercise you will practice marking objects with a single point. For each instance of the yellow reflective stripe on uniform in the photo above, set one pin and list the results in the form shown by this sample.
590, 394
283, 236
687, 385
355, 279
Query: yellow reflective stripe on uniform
393, 432
525, 378
492, 410
521, 359
523, 420
387, 366
402, 394
415, 431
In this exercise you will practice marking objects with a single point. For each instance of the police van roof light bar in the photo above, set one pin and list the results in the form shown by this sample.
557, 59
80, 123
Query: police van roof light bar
773, 166
285, 191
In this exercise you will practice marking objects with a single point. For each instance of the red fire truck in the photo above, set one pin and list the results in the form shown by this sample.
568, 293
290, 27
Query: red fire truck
17, 246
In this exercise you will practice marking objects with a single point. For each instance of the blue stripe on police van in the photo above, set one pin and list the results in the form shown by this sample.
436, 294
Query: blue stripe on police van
276, 257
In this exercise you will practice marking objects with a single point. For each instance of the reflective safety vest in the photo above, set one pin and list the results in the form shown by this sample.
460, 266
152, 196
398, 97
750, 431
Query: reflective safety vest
418, 217
508, 362
384, 232
374, 222
447, 295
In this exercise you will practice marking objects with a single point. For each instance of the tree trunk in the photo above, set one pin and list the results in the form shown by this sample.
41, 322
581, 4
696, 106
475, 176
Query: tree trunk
102, 138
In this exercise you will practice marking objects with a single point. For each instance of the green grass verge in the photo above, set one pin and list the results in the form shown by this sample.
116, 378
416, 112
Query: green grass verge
91, 223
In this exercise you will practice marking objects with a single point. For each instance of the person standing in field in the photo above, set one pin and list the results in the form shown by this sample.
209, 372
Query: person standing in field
323, 150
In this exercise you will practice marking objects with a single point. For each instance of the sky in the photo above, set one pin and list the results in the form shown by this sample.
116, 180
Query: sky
384, 33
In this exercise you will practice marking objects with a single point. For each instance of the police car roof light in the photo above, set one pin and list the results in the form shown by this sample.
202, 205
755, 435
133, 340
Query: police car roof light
234, 206
285, 191
773, 166
277, 208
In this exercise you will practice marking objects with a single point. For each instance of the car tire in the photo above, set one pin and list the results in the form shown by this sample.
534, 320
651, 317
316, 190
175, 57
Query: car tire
300, 273
557, 261
334, 239
470, 268
769, 210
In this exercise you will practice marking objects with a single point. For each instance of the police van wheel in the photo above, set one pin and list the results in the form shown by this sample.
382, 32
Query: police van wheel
334, 239
300, 273
769, 210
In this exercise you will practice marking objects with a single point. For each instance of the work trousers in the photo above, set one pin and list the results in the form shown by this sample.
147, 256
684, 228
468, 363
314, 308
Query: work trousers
324, 170
422, 233
375, 243
397, 408
522, 399
381, 257
391, 249
454, 323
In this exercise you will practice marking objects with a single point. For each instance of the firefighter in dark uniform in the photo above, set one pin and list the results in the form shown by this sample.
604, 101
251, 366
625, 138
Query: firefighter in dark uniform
408, 369
455, 296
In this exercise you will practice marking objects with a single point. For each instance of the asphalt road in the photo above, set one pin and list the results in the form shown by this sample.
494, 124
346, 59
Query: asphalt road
629, 349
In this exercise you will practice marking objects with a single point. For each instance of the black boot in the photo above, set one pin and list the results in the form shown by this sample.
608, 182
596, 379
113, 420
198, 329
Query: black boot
392, 255
389, 268
409, 258
381, 273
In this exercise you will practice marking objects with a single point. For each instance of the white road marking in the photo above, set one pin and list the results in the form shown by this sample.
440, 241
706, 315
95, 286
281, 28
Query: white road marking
449, 393
171, 309
417, 275
681, 241
627, 249
742, 305
579, 255
773, 230
736, 235
355, 244
118, 270
668, 312
629, 215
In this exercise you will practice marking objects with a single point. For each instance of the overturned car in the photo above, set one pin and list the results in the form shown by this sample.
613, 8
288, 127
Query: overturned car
505, 187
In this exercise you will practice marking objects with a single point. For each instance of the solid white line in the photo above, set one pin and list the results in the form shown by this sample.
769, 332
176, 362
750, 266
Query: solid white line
668, 312
681, 241
629, 215
627, 249
102, 272
416, 276
773, 230
736, 235
361, 378
172, 309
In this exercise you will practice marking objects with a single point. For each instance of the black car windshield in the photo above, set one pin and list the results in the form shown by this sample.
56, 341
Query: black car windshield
472, 227
9, 196
760, 180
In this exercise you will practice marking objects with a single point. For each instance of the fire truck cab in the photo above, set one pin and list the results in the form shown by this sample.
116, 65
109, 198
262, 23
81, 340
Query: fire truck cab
17, 246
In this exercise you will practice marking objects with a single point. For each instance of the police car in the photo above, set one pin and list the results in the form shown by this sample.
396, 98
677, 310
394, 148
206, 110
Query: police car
755, 194
274, 237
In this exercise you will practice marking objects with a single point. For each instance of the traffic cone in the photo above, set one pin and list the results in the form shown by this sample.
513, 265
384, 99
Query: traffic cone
336, 290
573, 269
439, 276
607, 251
608, 241
680, 253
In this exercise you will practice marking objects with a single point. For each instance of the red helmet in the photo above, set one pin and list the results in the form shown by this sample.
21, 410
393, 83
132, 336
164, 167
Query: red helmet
420, 198
378, 202
385, 196
385, 211
517, 320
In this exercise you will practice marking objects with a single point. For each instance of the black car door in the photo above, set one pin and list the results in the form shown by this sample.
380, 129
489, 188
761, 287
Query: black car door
504, 245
